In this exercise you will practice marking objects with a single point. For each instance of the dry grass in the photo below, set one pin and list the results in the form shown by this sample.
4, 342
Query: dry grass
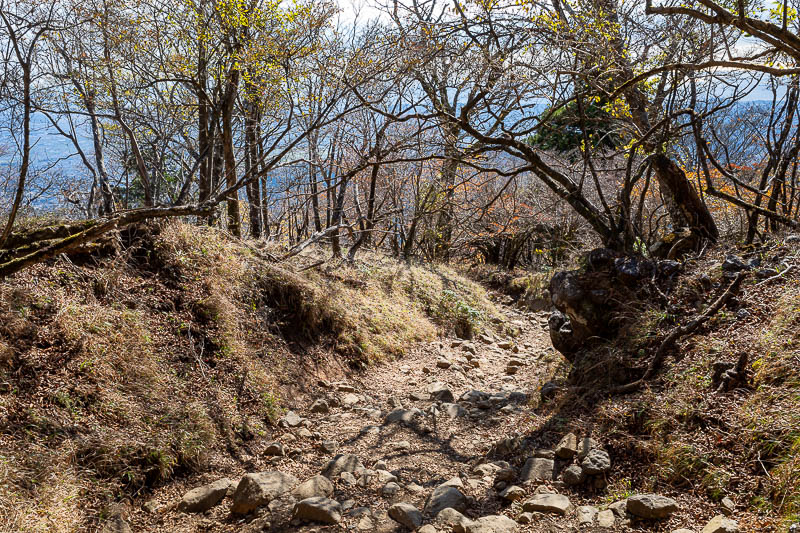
118, 378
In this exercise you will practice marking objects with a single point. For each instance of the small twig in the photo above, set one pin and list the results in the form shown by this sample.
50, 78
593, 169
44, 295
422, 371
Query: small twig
313, 265
777, 276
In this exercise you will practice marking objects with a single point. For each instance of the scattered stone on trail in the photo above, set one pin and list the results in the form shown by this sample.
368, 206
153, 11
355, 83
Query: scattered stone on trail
596, 462
567, 447
470, 348
537, 469
384, 476
345, 388
402, 415
440, 392
452, 410
513, 493
406, 514
151, 506
727, 506
619, 508
683, 530
274, 449
427, 529
573, 475
342, 463
586, 515
203, 498
394, 402
317, 486
443, 363
348, 478
486, 339
492, 524
548, 391
320, 406
606, 518
511, 370
257, 489
651, 506
445, 496
506, 345
456, 343
318, 509
304, 433
116, 524
329, 446
350, 400
452, 518
544, 453
291, 419
390, 489
547, 503
419, 396
506, 474
525, 518
721, 524
733, 263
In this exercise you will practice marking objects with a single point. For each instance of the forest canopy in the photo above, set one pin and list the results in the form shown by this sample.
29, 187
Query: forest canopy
502, 130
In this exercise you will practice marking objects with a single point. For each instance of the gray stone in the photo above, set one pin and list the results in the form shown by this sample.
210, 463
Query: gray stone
525, 518
585, 445
348, 478
318, 509
453, 410
537, 469
257, 489
651, 506
384, 476
203, 498
573, 475
274, 449
606, 518
567, 446
727, 506
406, 514
452, 519
320, 406
596, 462
443, 363
116, 524
443, 497
329, 446
317, 486
419, 396
619, 508
492, 524
390, 490
350, 400
513, 493
402, 415
427, 528
721, 524
342, 463
586, 515
547, 503
440, 392
292, 419
346, 388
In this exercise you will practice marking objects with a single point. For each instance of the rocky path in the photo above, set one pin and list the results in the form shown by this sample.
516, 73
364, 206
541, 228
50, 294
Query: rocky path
415, 444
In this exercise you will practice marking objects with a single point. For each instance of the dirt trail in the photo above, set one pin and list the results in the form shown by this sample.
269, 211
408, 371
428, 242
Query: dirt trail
443, 438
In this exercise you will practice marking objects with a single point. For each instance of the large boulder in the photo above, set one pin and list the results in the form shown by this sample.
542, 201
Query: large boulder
203, 498
255, 490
